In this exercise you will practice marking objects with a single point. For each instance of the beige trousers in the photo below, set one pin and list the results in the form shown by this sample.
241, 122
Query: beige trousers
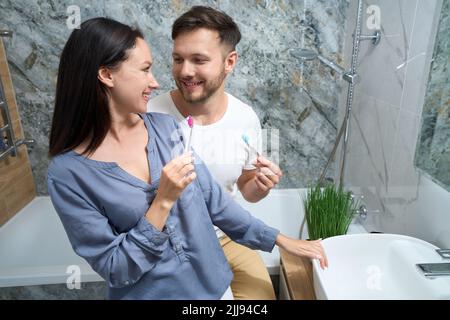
251, 279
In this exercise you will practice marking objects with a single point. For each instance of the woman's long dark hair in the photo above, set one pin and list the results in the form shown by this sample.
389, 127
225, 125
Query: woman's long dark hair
81, 104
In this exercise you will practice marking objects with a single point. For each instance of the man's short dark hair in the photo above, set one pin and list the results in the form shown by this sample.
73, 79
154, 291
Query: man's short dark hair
206, 17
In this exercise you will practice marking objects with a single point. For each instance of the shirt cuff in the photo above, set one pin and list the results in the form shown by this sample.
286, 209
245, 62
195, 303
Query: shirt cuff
154, 236
269, 237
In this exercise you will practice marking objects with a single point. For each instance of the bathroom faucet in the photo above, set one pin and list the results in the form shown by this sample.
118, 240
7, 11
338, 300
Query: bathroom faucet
363, 211
431, 270
440, 269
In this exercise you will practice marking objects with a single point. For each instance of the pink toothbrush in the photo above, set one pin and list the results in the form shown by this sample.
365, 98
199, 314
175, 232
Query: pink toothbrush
190, 122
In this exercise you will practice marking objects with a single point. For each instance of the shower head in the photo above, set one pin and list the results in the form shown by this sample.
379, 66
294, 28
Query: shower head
309, 55
304, 54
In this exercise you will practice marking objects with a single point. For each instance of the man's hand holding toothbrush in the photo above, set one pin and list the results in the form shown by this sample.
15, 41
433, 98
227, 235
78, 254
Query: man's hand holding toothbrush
268, 174
256, 184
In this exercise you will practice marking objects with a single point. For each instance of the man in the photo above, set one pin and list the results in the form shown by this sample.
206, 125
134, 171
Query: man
204, 53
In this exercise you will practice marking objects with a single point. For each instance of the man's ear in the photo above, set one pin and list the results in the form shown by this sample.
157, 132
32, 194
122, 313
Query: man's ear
230, 61
105, 76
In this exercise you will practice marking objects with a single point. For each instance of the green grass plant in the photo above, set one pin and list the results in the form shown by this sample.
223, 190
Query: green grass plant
329, 211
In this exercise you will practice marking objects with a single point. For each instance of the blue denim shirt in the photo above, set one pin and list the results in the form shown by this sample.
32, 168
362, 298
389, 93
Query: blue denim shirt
102, 208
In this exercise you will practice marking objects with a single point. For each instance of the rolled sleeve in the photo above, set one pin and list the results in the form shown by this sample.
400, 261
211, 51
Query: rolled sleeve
259, 236
145, 232
121, 259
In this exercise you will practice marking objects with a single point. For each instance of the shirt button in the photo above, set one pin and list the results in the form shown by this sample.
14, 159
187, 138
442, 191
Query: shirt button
126, 282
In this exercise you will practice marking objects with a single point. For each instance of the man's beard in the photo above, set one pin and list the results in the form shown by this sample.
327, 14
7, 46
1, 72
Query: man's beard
209, 88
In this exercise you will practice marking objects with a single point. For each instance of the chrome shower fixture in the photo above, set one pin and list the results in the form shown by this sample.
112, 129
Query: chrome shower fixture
376, 37
351, 76
304, 54
309, 55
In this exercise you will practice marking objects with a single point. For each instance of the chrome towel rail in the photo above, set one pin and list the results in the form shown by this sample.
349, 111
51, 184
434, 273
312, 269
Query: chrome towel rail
8, 143
6, 33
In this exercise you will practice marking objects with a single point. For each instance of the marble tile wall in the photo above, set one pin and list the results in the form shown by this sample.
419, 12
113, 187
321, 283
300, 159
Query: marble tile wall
433, 148
298, 99
386, 122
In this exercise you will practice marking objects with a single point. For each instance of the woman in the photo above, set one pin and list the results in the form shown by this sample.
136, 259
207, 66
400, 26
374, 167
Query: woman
142, 218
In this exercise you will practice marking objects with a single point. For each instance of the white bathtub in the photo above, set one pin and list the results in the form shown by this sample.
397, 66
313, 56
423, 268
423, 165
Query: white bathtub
35, 250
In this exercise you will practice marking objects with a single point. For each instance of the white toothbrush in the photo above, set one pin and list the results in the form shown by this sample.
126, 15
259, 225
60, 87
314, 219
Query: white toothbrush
190, 122
246, 140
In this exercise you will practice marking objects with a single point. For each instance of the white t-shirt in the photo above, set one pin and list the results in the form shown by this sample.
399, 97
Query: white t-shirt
220, 145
